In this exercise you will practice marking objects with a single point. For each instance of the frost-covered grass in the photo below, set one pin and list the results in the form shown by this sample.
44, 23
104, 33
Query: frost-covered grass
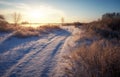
21, 31
100, 59
98, 52
109, 29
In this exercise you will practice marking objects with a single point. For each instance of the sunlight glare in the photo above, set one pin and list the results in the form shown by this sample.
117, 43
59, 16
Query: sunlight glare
43, 14
36, 14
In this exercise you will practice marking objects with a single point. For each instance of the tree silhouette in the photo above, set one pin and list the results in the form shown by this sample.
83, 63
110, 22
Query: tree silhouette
17, 18
111, 16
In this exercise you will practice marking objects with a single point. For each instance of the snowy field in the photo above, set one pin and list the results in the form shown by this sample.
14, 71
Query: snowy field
41, 56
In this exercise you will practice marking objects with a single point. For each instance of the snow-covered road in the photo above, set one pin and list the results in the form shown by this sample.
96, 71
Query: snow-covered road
35, 56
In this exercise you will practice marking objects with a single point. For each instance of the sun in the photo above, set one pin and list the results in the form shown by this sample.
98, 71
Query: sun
42, 14
35, 15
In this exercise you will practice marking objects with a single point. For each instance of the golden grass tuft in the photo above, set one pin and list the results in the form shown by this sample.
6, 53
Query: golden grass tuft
21, 31
100, 59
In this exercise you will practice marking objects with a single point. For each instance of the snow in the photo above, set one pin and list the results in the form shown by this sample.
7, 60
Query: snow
41, 56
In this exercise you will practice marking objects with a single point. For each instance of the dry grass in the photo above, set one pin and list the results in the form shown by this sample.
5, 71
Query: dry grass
108, 29
6, 28
22, 32
100, 59
48, 28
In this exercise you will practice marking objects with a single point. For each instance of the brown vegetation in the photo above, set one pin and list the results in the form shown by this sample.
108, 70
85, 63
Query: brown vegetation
101, 57
104, 28
21, 31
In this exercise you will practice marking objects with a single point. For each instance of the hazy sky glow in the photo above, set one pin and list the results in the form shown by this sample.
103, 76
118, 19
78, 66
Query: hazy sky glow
51, 11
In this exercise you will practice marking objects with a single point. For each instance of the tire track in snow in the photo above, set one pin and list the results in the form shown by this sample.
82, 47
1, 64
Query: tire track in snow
29, 58
53, 58
27, 47
6, 37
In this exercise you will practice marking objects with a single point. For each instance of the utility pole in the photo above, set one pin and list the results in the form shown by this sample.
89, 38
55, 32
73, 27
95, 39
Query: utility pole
62, 20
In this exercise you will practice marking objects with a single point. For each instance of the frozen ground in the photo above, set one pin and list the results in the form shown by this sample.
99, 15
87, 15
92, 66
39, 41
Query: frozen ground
41, 56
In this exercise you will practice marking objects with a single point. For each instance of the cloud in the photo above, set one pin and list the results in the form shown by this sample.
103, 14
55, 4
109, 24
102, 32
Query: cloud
48, 11
26, 7
14, 5
5, 3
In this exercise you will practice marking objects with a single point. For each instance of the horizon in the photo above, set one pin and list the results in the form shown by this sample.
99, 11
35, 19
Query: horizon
49, 11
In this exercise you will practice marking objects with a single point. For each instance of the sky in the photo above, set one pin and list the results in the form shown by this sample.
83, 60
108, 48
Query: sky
51, 11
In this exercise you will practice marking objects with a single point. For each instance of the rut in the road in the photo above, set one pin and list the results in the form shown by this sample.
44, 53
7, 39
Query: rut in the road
40, 59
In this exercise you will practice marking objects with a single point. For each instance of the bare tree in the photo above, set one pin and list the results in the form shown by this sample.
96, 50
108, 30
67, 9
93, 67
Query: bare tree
17, 18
